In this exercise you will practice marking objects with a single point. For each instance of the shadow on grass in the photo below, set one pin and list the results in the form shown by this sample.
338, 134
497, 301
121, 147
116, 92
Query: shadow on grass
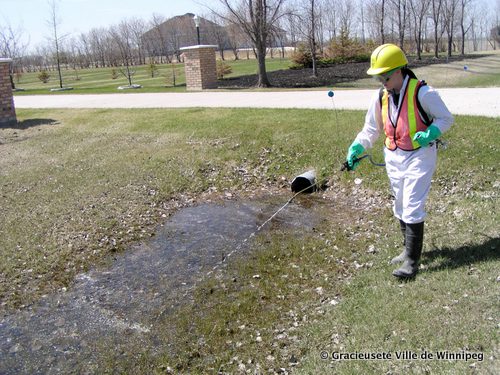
30, 123
451, 258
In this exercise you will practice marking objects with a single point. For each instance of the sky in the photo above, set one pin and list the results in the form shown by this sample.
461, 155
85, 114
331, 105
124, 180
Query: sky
79, 16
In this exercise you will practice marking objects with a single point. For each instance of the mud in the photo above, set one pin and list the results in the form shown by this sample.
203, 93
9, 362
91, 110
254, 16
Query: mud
117, 307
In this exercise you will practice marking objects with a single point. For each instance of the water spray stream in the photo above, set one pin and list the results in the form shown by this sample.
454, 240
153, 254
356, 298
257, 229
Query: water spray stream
304, 187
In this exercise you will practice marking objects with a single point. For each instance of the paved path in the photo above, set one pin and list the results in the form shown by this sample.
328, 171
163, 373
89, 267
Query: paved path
477, 101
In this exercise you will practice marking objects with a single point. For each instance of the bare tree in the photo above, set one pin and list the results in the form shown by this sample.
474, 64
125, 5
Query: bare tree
436, 11
310, 21
98, 46
372, 19
175, 37
281, 37
291, 23
215, 32
497, 14
157, 39
346, 16
257, 19
449, 11
320, 26
54, 22
235, 38
75, 56
123, 38
464, 29
362, 20
382, 20
419, 10
83, 41
331, 16
137, 29
11, 46
40, 59
493, 33
400, 9
476, 29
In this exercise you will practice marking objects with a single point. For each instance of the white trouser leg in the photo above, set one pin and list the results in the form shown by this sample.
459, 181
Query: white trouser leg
410, 174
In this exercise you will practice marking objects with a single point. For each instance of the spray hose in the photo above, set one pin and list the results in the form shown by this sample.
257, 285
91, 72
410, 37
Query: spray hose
345, 166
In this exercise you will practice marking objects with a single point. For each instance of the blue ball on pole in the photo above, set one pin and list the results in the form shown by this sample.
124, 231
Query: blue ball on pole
330, 94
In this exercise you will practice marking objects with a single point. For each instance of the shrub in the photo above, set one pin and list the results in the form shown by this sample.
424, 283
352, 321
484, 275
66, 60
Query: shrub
223, 69
344, 49
340, 51
153, 69
114, 74
44, 76
171, 78
301, 57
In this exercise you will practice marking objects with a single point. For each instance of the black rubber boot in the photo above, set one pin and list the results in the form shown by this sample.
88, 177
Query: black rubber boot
413, 248
401, 257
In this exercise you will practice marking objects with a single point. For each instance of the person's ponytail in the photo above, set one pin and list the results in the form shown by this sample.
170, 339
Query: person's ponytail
408, 72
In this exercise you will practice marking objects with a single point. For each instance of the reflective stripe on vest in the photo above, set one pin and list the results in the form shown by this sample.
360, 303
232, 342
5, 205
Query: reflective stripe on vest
408, 121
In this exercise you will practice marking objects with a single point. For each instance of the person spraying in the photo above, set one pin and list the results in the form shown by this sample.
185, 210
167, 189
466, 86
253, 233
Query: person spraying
412, 116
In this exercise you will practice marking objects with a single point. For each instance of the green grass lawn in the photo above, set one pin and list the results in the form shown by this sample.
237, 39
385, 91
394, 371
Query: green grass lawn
481, 72
80, 185
99, 80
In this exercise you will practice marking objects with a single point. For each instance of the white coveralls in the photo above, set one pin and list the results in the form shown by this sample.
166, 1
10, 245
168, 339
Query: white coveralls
410, 172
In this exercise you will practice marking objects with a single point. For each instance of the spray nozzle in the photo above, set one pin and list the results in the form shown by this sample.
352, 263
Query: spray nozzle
345, 165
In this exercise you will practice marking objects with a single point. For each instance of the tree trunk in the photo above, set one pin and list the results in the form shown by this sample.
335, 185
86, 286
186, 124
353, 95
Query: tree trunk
382, 22
436, 43
12, 84
419, 45
59, 68
261, 59
313, 41
462, 46
129, 75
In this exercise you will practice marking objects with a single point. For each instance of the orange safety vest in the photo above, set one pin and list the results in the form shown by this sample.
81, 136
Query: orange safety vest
409, 121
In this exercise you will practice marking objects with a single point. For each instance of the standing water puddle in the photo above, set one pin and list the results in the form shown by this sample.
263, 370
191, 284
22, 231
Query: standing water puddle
119, 305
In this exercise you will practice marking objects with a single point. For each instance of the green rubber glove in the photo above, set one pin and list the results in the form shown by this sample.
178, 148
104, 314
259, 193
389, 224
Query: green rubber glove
355, 150
424, 138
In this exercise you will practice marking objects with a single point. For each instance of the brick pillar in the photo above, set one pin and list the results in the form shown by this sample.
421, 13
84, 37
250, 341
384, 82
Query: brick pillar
200, 67
7, 110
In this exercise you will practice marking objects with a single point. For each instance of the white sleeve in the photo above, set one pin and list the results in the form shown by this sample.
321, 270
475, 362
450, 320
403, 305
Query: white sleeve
434, 107
373, 124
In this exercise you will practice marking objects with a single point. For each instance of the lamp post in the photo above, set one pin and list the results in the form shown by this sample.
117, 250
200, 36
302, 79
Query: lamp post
197, 24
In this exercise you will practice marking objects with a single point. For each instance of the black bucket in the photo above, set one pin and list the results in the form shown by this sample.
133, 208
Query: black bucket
305, 183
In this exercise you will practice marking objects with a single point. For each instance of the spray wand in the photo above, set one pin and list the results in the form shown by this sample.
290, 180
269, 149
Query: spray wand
345, 166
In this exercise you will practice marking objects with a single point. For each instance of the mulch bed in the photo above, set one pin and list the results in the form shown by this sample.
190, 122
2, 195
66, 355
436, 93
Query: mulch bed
327, 76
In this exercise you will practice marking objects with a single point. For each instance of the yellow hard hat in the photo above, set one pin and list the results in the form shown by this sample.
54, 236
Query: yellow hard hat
385, 58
